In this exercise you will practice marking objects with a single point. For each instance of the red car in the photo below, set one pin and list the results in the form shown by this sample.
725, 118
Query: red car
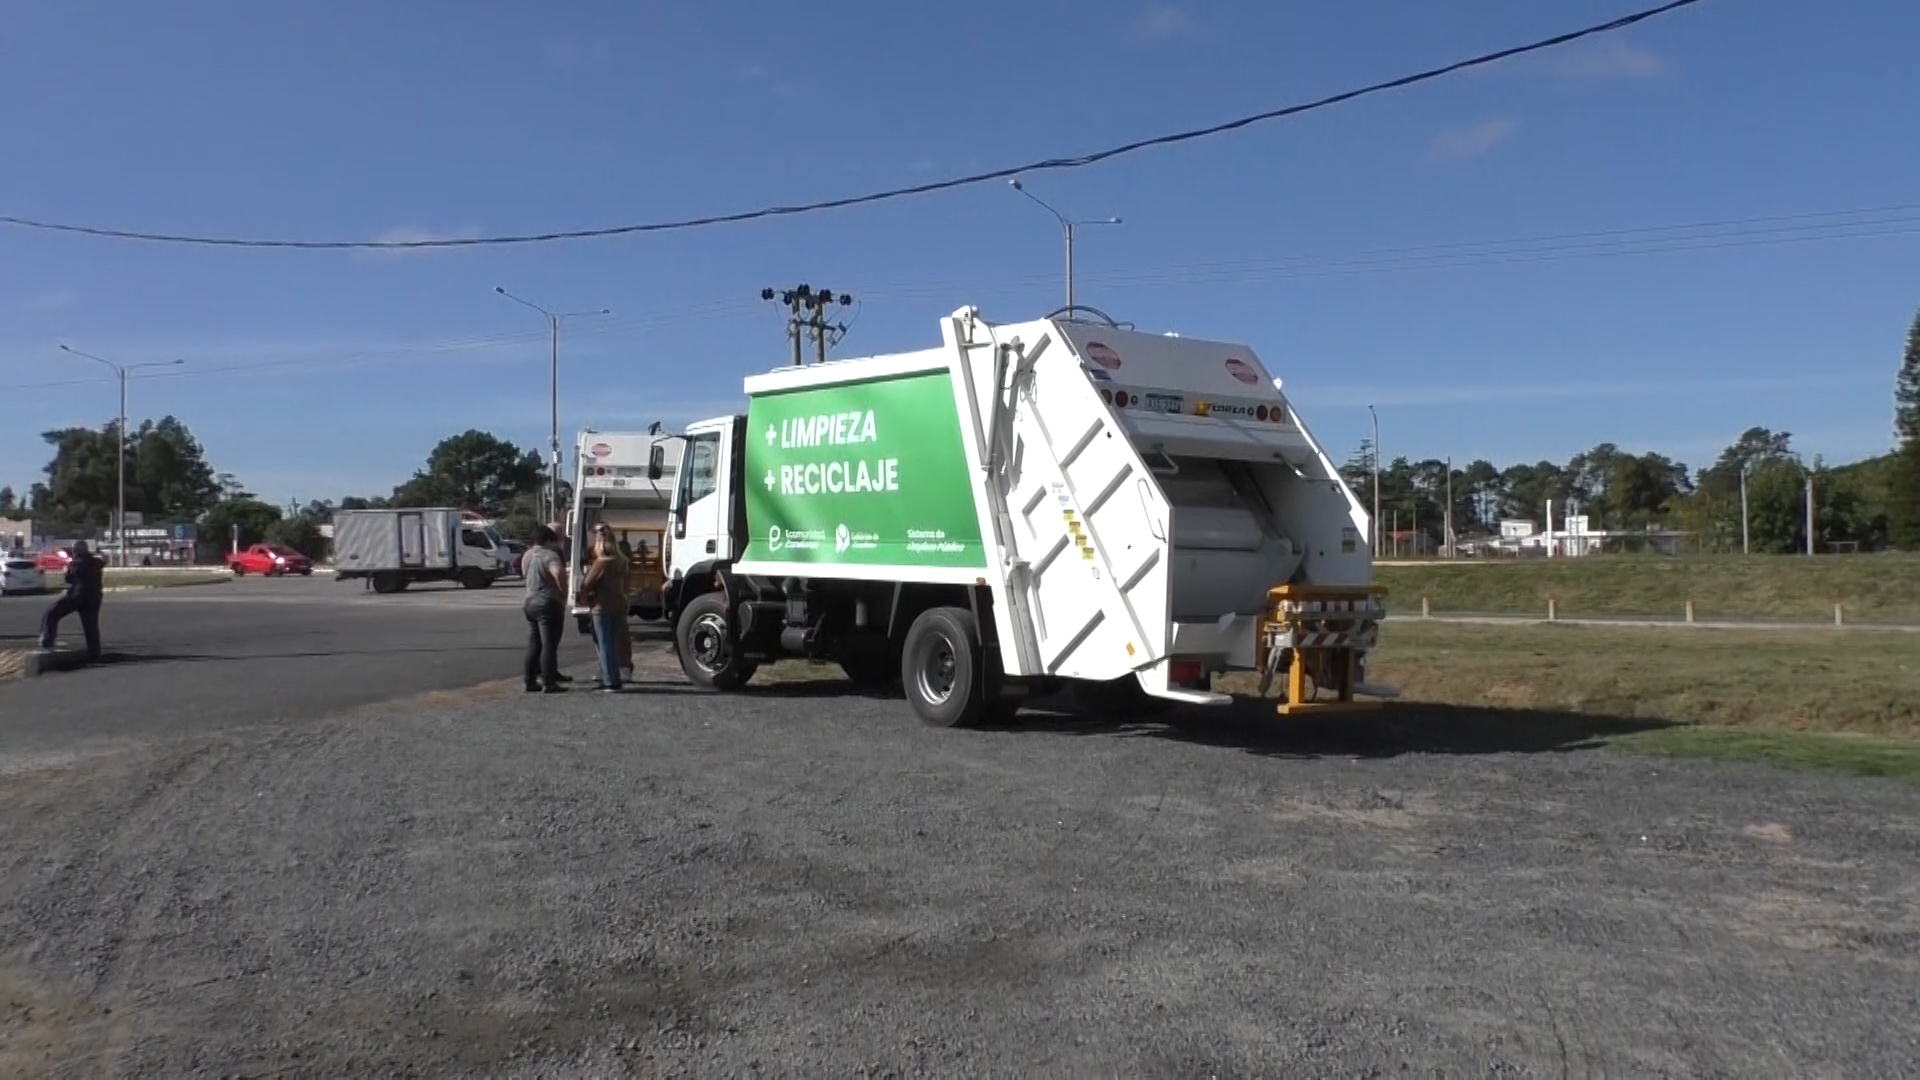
269, 560
54, 560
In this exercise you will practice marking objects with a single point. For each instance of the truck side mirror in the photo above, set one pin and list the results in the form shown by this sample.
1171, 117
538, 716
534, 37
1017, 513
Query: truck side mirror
656, 462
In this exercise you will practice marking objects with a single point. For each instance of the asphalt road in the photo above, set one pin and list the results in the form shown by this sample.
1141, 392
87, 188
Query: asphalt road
211, 658
803, 881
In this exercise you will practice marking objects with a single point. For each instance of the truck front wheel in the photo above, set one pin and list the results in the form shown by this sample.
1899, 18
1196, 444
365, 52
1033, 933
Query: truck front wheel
708, 653
473, 577
941, 668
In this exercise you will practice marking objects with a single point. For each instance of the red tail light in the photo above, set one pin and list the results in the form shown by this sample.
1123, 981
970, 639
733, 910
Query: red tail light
1120, 398
1184, 672
1260, 412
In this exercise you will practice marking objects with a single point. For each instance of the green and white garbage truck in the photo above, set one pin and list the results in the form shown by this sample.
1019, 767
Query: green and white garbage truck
1050, 505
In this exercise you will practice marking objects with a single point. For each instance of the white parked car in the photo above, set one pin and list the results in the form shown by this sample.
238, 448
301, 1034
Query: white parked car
19, 573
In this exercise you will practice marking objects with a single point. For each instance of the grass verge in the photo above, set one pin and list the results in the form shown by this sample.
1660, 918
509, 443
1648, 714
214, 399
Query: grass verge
149, 579
1862, 755
1822, 699
1870, 588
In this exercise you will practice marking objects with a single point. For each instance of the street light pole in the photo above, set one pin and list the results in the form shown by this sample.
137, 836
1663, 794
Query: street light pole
552, 514
1744, 548
1067, 225
1376, 481
120, 457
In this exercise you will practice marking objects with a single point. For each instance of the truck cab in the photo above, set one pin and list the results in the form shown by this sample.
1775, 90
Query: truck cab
708, 512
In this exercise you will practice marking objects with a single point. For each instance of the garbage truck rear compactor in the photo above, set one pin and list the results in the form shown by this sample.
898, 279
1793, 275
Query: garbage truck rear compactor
1032, 507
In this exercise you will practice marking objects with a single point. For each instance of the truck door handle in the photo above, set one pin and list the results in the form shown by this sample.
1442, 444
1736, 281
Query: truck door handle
709, 547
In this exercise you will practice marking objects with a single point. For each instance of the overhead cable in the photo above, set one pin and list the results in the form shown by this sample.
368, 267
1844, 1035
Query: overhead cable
1044, 165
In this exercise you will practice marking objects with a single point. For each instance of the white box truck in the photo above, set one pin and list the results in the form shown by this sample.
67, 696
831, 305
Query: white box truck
625, 480
396, 547
1027, 508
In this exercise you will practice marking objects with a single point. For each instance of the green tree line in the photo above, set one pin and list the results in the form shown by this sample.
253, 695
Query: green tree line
1866, 505
169, 481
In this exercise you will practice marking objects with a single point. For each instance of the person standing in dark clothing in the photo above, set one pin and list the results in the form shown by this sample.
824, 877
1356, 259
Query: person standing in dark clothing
85, 591
546, 610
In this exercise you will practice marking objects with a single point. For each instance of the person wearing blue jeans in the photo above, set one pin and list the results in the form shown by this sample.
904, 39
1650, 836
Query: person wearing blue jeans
604, 589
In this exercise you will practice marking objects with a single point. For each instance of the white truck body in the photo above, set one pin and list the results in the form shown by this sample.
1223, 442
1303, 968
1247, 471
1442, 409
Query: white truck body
1126, 500
398, 546
625, 480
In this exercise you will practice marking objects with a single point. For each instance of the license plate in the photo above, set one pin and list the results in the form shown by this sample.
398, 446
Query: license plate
1163, 403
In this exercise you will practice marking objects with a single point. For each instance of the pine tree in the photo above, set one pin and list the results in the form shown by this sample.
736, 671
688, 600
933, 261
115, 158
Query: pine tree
1906, 388
1903, 494
1903, 497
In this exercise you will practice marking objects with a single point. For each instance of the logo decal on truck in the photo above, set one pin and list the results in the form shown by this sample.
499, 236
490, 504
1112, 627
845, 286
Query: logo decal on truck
1242, 370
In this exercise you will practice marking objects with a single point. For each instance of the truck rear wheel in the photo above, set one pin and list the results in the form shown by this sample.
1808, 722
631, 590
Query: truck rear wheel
387, 581
942, 668
708, 652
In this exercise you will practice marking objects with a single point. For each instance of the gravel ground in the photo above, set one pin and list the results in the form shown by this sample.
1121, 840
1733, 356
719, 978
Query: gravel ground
799, 882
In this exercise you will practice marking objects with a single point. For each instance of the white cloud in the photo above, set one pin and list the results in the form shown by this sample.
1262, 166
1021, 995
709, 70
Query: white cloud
1161, 22
1611, 60
53, 301
570, 53
1464, 143
1398, 396
413, 234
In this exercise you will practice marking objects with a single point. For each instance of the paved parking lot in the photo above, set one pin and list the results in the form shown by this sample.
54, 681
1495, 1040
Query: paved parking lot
210, 658
803, 881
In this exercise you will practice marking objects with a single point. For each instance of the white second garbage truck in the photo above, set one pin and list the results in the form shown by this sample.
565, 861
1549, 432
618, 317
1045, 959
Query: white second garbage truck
1026, 508
625, 481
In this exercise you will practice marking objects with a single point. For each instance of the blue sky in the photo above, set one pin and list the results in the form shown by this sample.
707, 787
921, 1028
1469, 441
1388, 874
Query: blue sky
321, 374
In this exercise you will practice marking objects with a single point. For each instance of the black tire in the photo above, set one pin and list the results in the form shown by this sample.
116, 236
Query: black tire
386, 581
238, 570
475, 578
943, 671
871, 670
308, 572
648, 613
709, 654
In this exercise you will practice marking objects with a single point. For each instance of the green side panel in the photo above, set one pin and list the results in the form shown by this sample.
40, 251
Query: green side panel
861, 474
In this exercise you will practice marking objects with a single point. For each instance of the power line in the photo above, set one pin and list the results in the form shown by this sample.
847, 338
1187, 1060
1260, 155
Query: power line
1814, 226
1888, 221
1044, 165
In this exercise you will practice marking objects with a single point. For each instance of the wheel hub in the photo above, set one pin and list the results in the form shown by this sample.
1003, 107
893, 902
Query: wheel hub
709, 641
936, 675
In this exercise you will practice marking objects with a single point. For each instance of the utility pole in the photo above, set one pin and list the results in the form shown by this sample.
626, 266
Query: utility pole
1809, 511
1447, 524
1745, 548
120, 457
553, 438
807, 312
1376, 481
